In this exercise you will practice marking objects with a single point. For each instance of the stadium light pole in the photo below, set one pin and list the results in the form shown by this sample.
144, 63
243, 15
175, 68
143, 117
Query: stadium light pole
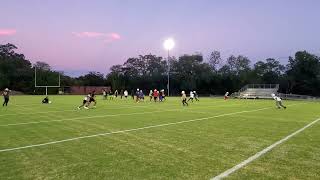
168, 45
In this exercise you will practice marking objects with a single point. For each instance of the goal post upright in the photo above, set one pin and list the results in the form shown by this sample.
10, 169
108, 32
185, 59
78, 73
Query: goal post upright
46, 86
35, 76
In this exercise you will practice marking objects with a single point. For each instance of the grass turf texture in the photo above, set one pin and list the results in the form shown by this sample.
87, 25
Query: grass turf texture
192, 150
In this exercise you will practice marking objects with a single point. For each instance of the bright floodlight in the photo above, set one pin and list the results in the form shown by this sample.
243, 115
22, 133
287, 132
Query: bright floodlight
168, 44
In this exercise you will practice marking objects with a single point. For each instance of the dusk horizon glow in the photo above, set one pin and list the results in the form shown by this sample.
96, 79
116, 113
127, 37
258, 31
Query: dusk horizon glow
81, 36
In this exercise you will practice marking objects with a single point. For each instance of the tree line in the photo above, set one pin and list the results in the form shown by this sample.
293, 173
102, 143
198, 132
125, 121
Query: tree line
212, 75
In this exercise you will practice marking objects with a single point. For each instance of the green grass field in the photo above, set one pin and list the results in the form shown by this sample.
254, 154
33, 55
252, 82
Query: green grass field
125, 140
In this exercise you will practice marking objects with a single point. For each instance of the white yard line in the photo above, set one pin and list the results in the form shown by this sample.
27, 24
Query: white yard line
127, 130
264, 151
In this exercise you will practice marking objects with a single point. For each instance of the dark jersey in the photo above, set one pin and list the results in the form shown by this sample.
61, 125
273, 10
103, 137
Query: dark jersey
45, 100
92, 97
6, 94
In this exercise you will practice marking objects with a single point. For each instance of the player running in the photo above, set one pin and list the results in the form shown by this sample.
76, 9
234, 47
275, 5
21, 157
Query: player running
116, 93
191, 96
85, 102
196, 96
125, 93
92, 99
141, 96
278, 101
110, 95
104, 94
6, 95
226, 96
155, 95
163, 95
150, 95
184, 99
121, 93
160, 96
132, 94
137, 95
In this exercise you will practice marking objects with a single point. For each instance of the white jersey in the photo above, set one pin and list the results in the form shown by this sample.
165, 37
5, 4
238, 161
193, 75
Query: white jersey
276, 98
86, 98
191, 95
125, 93
226, 94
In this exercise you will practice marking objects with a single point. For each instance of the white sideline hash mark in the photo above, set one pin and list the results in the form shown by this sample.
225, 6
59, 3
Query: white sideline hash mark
264, 151
128, 130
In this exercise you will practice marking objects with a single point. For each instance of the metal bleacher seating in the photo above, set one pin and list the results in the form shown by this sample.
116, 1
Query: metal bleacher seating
256, 91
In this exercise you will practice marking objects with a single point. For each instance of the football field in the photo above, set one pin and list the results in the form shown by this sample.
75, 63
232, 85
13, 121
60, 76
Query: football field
121, 139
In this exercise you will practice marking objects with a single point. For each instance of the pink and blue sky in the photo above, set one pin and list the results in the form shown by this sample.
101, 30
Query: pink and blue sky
78, 36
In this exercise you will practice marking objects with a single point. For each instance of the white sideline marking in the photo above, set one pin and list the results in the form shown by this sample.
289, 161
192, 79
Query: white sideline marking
264, 151
128, 130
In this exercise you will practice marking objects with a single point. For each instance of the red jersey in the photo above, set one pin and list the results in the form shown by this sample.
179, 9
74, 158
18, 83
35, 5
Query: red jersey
155, 94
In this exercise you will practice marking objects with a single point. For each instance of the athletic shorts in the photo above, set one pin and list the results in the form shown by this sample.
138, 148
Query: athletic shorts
92, 100
84, 102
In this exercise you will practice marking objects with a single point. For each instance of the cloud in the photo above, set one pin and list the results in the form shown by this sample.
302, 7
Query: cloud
88, 34
106, 37
114, 36
7, 32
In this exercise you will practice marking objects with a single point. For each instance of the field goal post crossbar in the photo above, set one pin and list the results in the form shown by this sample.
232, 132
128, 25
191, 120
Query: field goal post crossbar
45, 86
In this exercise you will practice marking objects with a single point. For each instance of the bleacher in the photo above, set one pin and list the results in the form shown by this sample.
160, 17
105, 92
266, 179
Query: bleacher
257, 91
